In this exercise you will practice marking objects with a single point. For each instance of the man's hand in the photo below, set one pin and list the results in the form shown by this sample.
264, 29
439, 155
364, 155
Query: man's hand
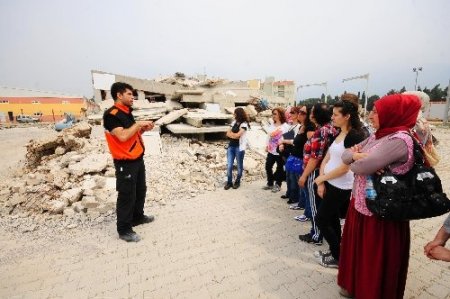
146, 125
281, 147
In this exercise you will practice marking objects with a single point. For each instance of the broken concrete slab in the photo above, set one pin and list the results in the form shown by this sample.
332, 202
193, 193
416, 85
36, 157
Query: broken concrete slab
187, 129
171, 117
90, 164
152, 143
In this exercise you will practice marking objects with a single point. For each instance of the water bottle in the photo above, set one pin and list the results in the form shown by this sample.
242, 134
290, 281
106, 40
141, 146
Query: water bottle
371, 194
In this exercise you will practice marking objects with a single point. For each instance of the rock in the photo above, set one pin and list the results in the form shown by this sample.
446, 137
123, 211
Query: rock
89, 184
72, 225
73, 143
184, 174
90, 202
60, 178
78, 207
16, 199
60, 151
250, 164
110, 183
57, 206
91, 164
72, 195
68, 212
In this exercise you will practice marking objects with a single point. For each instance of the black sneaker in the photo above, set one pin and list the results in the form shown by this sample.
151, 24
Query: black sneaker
227, 186
308, 239
236, 185
284, 196
329, 261
130, 237
145, 219
289, 202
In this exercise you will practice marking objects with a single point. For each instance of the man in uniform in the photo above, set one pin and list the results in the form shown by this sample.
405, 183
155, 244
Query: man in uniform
123, 135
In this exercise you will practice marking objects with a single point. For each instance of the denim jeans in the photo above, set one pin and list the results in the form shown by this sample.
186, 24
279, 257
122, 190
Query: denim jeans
232, 153
293, 191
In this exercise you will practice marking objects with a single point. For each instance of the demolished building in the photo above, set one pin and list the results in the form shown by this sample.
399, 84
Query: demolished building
193, 105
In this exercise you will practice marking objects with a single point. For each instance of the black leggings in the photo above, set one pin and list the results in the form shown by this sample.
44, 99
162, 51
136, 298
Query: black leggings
279, 174
334, 204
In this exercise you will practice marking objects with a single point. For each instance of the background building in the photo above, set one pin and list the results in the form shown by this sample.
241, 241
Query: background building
47, 106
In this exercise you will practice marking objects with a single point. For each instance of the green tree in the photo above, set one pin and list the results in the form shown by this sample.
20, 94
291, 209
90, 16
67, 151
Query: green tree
403, 89
370, 101
392, 91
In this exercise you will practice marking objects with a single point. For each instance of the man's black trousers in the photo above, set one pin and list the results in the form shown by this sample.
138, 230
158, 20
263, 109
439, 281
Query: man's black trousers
132, 189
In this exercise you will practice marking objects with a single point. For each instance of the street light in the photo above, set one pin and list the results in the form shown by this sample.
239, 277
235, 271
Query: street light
417, 70
366, 77
325, 84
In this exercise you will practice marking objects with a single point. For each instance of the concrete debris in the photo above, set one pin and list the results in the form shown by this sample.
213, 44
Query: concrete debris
69, 139
77, 187
171, 117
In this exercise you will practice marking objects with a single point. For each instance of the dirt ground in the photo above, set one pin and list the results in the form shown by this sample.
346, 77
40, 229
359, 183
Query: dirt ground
223, 244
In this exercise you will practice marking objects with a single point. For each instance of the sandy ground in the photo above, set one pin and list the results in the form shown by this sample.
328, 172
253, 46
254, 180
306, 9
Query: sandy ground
13, 146
223, 244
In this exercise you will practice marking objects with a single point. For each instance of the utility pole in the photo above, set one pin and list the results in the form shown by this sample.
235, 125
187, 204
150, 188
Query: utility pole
366, 77
417, 70
447, 104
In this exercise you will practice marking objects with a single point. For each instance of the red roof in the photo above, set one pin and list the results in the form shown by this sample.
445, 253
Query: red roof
278, 83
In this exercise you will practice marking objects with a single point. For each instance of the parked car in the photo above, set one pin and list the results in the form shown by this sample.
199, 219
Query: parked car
26, 119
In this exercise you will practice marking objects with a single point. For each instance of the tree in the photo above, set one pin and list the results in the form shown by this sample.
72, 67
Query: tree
363, 98
418, 88
403, 89
370, 101
392, 91
322, 97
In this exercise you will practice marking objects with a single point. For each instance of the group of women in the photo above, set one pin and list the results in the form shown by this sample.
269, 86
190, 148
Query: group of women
327, 157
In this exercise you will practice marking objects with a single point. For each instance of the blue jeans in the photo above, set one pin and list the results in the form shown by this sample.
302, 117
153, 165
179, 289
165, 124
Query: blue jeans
232, 153
293, 191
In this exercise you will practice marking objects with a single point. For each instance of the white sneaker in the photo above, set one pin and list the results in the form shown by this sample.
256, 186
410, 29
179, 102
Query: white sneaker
320, 253
276, 188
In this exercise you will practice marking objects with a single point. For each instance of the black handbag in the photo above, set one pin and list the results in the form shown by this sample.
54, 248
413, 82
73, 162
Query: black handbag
417, 194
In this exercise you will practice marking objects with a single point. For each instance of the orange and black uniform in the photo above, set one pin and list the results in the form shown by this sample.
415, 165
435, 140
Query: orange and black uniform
130, 168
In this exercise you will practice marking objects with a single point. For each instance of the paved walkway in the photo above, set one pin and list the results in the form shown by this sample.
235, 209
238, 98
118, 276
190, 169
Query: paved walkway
235, 244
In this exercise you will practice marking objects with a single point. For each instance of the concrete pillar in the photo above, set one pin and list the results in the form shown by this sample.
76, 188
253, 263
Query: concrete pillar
141, 95
97, 96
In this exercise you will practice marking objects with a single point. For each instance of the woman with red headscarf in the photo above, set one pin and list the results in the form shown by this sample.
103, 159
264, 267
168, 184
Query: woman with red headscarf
374, 252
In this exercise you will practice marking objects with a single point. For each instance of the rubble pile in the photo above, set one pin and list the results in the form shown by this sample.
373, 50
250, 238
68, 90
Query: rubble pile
188, 168
69, 180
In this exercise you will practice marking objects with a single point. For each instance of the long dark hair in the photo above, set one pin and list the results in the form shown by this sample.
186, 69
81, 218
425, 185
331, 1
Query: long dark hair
350, 108
308, 121
322, 113
241, 116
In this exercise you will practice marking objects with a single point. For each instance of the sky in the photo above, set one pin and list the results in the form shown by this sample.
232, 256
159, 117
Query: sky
53, 45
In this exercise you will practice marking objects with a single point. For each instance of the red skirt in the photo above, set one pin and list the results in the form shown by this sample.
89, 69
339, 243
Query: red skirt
374, 256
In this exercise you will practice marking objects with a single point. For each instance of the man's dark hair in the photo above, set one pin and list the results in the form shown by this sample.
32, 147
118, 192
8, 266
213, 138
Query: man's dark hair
321, 113
119, 87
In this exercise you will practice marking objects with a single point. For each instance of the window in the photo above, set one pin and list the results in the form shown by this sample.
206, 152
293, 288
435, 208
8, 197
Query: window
4, 102
35, 102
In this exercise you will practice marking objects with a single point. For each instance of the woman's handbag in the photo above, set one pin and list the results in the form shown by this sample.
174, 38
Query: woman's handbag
417, 194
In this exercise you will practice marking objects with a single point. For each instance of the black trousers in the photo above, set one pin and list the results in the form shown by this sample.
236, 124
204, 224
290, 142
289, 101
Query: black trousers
335, 202
131, 186
279, 176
